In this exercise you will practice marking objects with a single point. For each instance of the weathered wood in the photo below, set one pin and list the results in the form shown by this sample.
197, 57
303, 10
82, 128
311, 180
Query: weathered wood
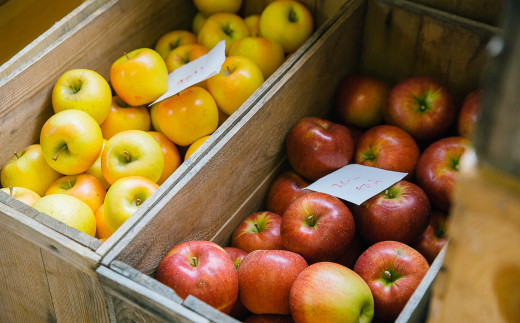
207, 311
487, 11
480, 283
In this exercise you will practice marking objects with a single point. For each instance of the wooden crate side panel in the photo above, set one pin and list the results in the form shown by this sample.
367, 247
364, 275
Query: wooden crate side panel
184, 215
117, 27
404, 40
23, 283
482, 265
487, 11
77, 296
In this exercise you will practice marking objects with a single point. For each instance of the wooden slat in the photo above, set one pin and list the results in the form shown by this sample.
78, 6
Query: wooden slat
182, 215
480, 283
487, 11
23, 283
403, 39
207, 311
77, 296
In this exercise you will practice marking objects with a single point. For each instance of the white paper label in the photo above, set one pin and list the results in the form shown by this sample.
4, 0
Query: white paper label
194, 72
356, 183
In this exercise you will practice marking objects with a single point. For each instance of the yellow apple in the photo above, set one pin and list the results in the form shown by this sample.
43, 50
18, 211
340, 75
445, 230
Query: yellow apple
183, 55
132, 153
22, 194
172, 40
267, 54
124, 198
253, 23
85, 90
172, 158
71, 141
102, 230
69, 210
238, 78
95, 169
153, 117
139, 77
194, 146
83, 186
198, 22
287, 22
188, 116
29, 169
125, 117
210, 7
222, 26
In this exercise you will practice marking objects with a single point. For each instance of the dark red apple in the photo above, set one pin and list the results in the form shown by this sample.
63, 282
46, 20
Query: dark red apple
316, 147
400, 213
360, 100
435, 236
388, 147
329, 292
393, 271
355, 248
284, 190
235, 254
269, 318
318, 226
468, 114
260, 230
202, 269
355, 133
437, 170
421, 106
265, 278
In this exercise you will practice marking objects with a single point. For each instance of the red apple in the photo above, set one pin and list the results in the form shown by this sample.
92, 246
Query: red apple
435, 236
356, 247
388, 147
400, 213
265, 278
202, 269
421, 106
360, 100
437, 170
318, 226
260, 230
287, 187
329, 292
269, 318
468, 114
316, 147
235, 254
393, 271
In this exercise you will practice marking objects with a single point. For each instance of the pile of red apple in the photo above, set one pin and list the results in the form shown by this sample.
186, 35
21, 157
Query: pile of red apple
311, 257
98, 158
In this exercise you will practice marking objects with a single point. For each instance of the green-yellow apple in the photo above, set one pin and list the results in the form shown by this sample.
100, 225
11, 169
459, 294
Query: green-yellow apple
102, 230
132, 153
239, 77
287, 22
95, 169
172, 40
198, 22
69, 210
188, 116
125, 117
139, 77
83, 186
222, 26
71, 141
267, 54
183, 55
253, 23
153, 117
29, 169
210, 7
22, 194
124, 198
172, 157
85, 90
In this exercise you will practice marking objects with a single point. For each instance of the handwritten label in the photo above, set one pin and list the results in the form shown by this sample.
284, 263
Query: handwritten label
194, 72
356, 183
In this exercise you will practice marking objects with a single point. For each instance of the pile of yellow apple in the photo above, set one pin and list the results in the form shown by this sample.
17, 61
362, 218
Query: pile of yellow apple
98, 158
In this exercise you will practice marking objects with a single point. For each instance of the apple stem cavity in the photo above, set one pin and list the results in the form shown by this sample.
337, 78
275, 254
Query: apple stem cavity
292, 15
55, 157
311, 220
194, 262
388, 275
68, 182
127, 155
227, 71
138, 202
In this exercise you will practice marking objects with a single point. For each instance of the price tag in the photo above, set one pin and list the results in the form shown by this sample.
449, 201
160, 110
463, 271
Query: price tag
356, 183
194, 72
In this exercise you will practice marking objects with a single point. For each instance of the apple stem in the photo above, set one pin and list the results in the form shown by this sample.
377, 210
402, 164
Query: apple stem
17, 155
68, 182
227, 72
127, 57
11, 189
194, 262
138, 202
55, 157
257, 228
127, 155
311, 220
292, 15
388, 275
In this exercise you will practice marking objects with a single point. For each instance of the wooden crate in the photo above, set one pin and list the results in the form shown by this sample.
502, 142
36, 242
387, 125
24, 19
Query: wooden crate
486, 11
389, 39
47, 269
